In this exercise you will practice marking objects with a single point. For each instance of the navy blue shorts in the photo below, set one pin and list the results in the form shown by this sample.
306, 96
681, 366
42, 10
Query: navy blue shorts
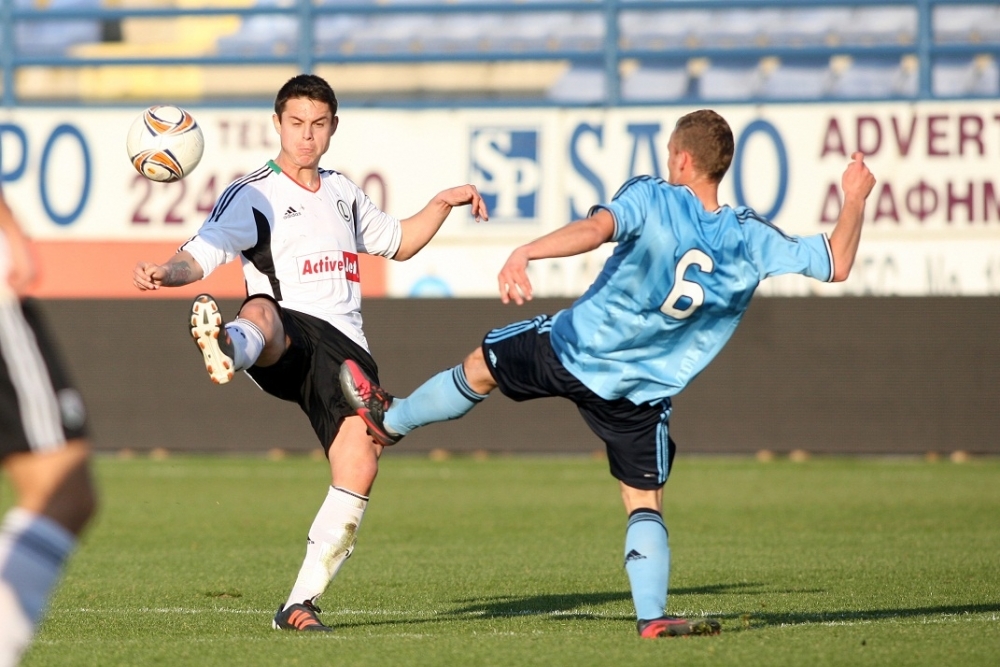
521, 359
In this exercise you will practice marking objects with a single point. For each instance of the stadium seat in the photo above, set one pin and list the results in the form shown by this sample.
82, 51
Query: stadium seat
874, 79
814, 26
459, 33
976, 77
651, 31
733, 81
390, 34
581, 84
527, 32
732, 28
55, 37
263, 34
656, 84
797, 81
579, 32
333, 33
962, 24
871, 26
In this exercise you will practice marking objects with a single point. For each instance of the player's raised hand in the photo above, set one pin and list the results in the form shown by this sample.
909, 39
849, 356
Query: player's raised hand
513, 278
857, 180
466, 194
148, 276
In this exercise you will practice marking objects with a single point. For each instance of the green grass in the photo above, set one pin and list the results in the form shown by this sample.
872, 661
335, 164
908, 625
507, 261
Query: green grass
518, 561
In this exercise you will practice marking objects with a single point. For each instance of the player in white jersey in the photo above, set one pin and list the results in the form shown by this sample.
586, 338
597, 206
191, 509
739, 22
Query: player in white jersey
666, 302
298, 230
43, 449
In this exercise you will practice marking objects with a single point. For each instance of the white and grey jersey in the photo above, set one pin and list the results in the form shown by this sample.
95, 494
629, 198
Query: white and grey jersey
297, 246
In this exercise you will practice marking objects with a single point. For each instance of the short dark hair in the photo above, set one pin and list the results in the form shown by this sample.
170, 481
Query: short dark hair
309, 86
707, 137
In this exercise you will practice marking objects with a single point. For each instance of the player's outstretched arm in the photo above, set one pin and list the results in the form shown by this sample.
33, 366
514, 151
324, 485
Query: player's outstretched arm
419, 229
181, 269
857, 183
575, 238
22, 263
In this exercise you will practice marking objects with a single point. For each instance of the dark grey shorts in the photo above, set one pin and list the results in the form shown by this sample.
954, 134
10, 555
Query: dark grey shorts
308, 372
39, 408
524, 365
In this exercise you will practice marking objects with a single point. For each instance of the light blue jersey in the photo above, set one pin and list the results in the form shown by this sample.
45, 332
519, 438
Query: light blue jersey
674, 290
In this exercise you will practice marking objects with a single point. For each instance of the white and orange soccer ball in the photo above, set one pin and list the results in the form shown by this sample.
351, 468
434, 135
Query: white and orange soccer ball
165, 143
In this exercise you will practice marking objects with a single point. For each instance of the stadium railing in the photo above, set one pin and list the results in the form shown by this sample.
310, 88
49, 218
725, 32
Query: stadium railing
614, 50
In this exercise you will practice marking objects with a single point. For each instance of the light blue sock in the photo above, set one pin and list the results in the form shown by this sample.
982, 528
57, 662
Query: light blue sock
445, 396
647, 562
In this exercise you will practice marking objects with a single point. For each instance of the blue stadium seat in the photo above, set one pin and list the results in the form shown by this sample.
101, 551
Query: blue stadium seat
797, 81
459, 33
655, 30
875, 78
580, 84
814, 26
962, 24
55, 37
730, 81
332, 34
975, 77
731, 28
656, 84
390, 34
263, 34
880, 25
532, 31
579, 32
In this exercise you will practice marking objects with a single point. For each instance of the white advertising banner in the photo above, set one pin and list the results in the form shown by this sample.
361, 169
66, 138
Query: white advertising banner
932, 222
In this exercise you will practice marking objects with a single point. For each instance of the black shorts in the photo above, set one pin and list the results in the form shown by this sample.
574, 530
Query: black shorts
522, 361
308, 372
39, 408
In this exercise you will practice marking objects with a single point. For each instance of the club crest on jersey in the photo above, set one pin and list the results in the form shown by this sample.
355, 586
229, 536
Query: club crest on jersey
345, 210
328, 265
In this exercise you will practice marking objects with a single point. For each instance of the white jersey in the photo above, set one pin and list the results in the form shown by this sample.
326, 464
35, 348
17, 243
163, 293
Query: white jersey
297, 246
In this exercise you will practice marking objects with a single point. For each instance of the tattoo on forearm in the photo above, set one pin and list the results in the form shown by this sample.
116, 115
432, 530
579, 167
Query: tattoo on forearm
178, 274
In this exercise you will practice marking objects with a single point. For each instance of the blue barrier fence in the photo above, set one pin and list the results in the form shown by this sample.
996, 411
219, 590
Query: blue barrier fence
604, 50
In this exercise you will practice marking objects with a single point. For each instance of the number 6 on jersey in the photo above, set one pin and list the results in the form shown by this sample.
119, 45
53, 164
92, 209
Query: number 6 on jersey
686, 288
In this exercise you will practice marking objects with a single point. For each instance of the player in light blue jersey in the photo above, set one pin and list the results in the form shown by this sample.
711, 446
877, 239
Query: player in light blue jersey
666, 302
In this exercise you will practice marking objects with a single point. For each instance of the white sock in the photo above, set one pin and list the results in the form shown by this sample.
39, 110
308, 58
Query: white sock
33, 549
331, 541
248, 343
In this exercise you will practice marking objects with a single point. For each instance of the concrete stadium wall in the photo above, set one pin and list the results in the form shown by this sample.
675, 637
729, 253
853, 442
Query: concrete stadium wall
835, 375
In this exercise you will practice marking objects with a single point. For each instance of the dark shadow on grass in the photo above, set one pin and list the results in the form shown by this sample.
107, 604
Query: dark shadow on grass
758, 619
566, 604
563, 607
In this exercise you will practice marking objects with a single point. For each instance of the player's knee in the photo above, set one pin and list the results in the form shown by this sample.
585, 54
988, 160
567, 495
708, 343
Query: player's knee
477, 373
264, 314
57, 485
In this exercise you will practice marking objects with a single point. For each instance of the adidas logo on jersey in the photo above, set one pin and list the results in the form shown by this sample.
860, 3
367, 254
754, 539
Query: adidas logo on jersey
290, 213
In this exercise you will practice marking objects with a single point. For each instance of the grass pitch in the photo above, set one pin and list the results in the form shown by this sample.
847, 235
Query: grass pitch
518, 561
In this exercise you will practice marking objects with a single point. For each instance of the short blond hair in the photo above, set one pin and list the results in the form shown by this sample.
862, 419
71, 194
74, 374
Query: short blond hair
707, 137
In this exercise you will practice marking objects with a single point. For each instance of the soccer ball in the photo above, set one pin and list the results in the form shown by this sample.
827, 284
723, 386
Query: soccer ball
165, 143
